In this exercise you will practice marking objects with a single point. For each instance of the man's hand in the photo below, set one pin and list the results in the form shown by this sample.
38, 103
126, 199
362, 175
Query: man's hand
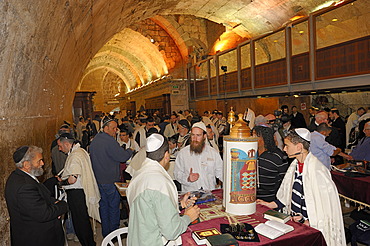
267, 204
187, 201
193, 176
192, 212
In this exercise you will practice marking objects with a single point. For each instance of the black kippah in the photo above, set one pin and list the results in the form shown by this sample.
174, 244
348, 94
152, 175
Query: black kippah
19, 153
66, 135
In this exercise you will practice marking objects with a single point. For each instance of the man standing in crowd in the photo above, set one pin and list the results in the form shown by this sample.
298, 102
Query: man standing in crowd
34, 214
322, 149
153, 200
82, 191
352, 122
184, 137
297, 119
171, 129
338, 123
106, 156
140, 135
198, 165
333, 138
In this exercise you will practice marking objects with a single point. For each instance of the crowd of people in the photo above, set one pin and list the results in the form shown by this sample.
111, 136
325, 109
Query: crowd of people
165, 154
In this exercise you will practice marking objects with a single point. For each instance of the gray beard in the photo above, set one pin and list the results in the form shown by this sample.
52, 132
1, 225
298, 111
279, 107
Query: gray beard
37, 171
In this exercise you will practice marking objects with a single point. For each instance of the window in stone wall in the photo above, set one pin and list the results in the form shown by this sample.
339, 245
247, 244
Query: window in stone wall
229, 60
300, 38
343, 24
245, 51
270, 48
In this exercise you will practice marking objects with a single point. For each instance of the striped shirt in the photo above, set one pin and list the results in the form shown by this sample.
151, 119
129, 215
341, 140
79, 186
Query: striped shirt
272, 166
298, 199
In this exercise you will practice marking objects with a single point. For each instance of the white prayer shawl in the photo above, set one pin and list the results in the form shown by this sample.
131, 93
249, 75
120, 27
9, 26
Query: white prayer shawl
78, 162
142, 131
136, 161
321, 197
144, 179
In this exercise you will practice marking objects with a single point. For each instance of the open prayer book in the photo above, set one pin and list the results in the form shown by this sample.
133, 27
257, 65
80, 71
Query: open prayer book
273, 229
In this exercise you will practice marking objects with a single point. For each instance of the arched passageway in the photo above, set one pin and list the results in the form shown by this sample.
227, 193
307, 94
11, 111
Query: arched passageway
45, 47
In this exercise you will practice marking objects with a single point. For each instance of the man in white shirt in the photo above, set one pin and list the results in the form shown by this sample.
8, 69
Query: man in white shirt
171, 129
126, 142
198, 164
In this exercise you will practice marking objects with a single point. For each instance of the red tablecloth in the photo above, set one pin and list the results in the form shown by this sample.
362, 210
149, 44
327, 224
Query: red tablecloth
302, 235
355, 188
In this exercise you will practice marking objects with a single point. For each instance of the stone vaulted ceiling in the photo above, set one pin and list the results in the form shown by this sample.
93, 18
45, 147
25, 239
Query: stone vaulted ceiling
136, 60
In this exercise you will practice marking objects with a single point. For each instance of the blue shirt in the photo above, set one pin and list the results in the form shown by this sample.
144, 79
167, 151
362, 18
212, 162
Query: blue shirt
321, 149
362, 150
106, 155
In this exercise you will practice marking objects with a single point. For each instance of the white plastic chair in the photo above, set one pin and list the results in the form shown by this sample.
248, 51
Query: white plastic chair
114, 234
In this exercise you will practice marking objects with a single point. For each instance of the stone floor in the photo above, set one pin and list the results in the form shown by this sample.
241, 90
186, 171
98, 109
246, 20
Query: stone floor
99, 237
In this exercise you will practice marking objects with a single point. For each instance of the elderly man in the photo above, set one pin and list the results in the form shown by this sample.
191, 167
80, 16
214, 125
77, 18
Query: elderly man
106, 156
198, 165
362, 150
333, 138
34, 214
153, 200
82, 191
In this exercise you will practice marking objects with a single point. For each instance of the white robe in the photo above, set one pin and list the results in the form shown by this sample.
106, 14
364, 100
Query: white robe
153, 201
321, 196
78, 162
208, 164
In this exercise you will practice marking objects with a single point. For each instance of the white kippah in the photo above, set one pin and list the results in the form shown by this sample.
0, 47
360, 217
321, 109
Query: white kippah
304, 133
200, 125
154, 142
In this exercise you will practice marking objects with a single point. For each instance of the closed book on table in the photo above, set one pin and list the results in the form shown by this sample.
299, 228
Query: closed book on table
273, 229
200, 236
277, 216
222, 240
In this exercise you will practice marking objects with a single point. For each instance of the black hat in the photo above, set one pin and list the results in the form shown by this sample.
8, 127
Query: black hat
184, 123
66, 135
19, 153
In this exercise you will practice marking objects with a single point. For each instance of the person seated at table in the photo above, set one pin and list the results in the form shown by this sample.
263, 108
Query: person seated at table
322, 149
307, 192
362, 150
272, 164
153, 200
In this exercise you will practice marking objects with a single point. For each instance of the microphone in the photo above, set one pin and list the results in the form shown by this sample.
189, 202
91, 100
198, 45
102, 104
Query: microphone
295, 154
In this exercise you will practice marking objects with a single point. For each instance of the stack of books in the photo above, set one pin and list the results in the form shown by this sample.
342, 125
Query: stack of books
277, 216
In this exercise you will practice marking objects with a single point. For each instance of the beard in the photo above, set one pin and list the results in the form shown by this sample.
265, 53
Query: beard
197, 147
37, 171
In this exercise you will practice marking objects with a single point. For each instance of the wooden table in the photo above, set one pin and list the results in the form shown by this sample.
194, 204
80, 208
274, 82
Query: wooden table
302, 234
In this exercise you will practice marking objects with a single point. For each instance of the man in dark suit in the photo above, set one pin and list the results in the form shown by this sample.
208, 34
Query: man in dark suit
297, 119
34, 214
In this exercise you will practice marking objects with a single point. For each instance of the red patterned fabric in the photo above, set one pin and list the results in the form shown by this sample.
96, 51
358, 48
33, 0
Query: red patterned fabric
302, 234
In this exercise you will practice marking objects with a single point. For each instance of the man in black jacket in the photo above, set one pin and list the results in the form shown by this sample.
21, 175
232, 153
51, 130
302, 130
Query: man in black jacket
34, 214
297, 119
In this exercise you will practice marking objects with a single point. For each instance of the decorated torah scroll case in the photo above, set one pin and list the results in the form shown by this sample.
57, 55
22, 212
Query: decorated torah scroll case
240, 172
